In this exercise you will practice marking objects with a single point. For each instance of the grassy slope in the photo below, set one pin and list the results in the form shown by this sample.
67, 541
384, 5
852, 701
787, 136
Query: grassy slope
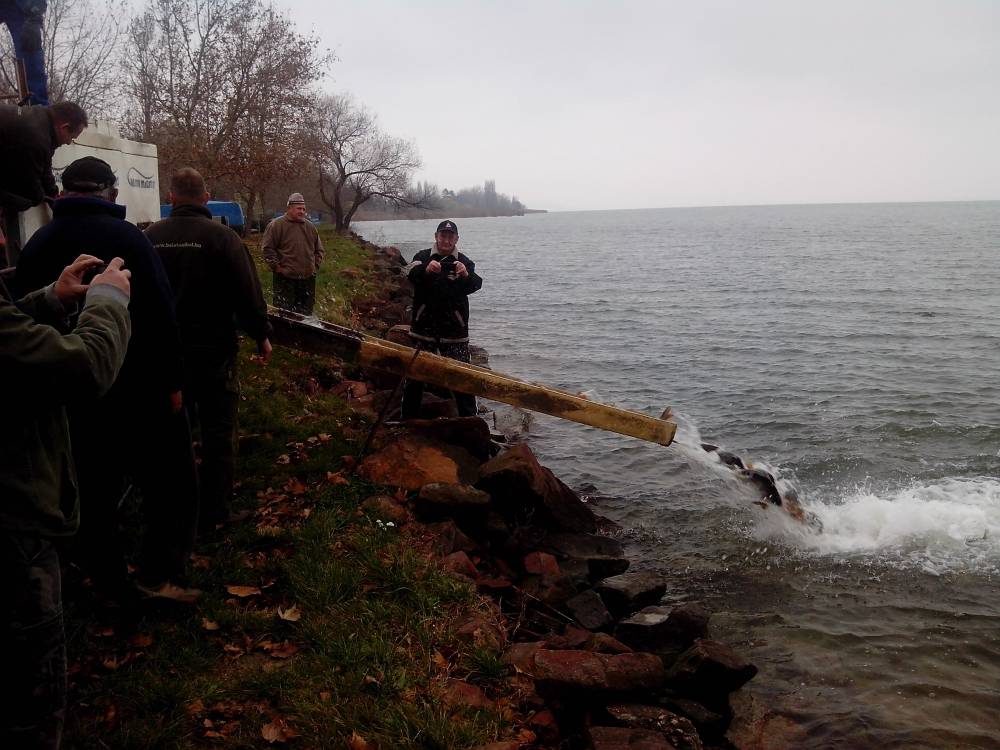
342, 628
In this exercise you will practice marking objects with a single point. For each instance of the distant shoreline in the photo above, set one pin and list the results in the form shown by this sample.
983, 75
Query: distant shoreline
417, 215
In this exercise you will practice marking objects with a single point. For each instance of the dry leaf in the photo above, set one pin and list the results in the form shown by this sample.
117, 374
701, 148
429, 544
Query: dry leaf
438, 658
291, 614
102, 632
336, 478
234, 651
277, 731
243, 591
295, 486
196, 707
325, 696
357, 742
324, 437
283, 459
285, 650
207, 624
201, 562
141, 640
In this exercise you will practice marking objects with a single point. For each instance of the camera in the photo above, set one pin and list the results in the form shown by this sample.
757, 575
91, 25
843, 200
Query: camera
90, 273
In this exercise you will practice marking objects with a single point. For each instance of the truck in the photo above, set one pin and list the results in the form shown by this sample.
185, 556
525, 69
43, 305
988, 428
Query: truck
229, 213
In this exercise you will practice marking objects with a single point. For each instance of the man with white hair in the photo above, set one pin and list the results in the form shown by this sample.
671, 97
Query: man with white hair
293, 251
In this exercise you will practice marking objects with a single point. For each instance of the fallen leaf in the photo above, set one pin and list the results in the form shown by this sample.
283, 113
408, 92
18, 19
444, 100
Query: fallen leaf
284, 650
324, 437
201, 562
357, 742
336, 478
295, 486
196, 707
243, 591
102, 632
400, 494
291, 614
325, 696
283, 459
439, 659
277, 731
207, 624
141, 640
234, 651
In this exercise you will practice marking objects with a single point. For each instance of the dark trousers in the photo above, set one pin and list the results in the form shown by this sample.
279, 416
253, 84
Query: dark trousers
297, 295
413, 390
130, 439
34, 62
33, 688
212, 396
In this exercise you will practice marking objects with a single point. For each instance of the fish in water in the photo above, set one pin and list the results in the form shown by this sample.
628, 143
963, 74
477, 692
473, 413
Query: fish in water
765, 482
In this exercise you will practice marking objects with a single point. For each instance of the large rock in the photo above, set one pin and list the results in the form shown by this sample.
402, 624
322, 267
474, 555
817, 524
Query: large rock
660, 628
604, 556
571, 671
470, 433
678, 729
449, 538
629, 592
523, 490
411, 462
710, 670
444, 500
589, 610
626, 738
756, 727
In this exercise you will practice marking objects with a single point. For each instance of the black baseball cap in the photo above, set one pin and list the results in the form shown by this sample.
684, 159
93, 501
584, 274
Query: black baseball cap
87, 175
448, 226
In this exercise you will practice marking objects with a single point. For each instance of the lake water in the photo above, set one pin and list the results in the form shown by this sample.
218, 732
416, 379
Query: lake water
852, 349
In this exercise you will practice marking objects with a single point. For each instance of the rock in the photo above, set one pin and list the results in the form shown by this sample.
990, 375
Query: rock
543, 723
562, 671
523, 489
603, 643
625, 738
443, 500
387, 508
658, 627
710, 670
604, 555
450, 538
459, 694
479, 356
628, 592
411, 462
679, 730
756, 727
480, 631
521, 656
470, 433
459, 562
542, 564
711, 725
589, 610
571, 638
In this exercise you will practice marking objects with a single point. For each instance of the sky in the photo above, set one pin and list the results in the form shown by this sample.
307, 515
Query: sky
578, 105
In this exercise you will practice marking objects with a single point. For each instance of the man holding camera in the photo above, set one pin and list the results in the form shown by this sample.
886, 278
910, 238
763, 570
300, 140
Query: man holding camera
443, 279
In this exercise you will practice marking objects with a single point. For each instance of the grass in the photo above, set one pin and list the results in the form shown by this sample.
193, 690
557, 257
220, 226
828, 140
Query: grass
319, 623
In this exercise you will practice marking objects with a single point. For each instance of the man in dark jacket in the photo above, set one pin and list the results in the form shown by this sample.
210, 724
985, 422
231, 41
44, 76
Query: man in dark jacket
24, 21
28, 138
140, 421
443, 279
215, 288
44, 369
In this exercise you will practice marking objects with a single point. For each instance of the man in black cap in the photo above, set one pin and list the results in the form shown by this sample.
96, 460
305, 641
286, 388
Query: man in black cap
443, 279
140, 423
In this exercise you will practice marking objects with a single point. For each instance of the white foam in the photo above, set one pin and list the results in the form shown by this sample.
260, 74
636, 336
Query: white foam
945, 525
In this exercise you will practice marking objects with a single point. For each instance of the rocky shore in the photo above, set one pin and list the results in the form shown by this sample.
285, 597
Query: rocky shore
594, 657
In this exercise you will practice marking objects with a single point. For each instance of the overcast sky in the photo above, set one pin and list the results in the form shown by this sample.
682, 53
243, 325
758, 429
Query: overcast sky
584, 105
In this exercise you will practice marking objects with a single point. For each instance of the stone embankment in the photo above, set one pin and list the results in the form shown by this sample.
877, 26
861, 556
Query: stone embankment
598, 661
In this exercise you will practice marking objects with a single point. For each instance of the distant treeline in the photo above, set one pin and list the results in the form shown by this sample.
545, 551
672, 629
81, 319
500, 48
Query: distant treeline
432, 201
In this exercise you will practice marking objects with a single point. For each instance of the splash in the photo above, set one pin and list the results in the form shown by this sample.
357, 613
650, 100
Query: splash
941, 526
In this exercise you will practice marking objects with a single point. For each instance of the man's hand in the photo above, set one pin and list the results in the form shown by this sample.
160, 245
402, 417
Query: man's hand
69, 287
176, 402
433, 267
264, 351
460, 269
116, 276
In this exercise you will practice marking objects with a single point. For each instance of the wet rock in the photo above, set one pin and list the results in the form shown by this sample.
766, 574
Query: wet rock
626, 738
411, 462
387, 508
626, 593
679, 730
657, 627
571, 638
470, 433
604, 556
710, 670
444, 500
460, 564
543, 723
479, 356
450, 538
711, 725
756, 727
687, 623
589, 610
521, 656
459, 694
603, 643
523, 489
561, 671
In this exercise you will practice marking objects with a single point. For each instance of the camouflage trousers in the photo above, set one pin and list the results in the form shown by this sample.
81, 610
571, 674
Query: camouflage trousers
33, 688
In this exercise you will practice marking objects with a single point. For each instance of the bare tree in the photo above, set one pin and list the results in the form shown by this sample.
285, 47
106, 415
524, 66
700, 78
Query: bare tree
358, 162
221, 85
82, 42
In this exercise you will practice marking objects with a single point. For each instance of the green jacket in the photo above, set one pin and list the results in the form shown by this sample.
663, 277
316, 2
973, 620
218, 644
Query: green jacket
42, 370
